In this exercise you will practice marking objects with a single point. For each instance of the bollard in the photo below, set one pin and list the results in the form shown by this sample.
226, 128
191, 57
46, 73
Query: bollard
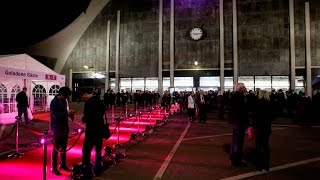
45, 151
112, 112
17, 153
126, 110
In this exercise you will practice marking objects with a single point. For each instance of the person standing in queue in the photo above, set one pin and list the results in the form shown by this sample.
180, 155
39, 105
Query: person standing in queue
22, 104
93, 117
59, 127
239, 115
263, 116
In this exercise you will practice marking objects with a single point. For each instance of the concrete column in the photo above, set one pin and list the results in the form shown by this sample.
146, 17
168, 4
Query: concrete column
117, 52
235, 42
160, 77
308, 50
221, 46
292, 47
107, 78
70, 79
172, 44
70, 82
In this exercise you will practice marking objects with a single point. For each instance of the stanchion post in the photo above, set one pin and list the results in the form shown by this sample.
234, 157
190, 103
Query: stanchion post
112, 113
45, 152
17, 153
126, 110
118, 131
139, 116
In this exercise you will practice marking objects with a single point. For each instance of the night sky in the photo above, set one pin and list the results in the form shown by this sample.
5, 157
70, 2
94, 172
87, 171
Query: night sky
26, 22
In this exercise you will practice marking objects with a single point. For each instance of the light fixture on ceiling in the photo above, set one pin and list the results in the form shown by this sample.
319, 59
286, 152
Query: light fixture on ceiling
196, 63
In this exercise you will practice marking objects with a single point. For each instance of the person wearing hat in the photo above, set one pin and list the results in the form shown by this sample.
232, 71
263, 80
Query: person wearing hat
59, 128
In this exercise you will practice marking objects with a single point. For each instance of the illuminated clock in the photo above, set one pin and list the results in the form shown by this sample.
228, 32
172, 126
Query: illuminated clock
196, 33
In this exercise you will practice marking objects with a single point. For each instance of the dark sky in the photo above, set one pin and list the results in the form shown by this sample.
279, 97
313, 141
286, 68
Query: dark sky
26, 22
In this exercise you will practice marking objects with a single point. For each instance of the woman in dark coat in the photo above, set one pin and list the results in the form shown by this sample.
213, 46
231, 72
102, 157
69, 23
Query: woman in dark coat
262, 120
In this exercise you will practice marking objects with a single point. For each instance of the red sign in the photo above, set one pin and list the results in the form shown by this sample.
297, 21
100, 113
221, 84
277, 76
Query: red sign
51, 77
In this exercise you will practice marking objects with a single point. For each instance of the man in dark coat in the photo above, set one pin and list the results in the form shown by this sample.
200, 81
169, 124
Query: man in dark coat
93, 116
239, 119
201, 102
22, 105
59, 127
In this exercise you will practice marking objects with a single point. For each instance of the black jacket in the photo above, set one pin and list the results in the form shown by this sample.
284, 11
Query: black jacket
59, 124
22, 99
263, 115
93, 116
239, 115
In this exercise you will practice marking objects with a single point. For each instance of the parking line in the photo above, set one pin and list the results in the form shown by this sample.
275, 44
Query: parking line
219, 135
203, 137
277, 168
171, 154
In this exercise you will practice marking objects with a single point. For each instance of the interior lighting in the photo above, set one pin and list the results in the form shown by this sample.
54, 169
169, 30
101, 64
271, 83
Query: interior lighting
86, 67
196, 63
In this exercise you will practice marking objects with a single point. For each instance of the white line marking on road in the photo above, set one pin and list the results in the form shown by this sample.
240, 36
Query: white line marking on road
171, 154
277, 168
219, 135
203, 137
292, 125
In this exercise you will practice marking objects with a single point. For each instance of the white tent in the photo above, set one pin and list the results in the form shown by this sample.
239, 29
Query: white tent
18, 71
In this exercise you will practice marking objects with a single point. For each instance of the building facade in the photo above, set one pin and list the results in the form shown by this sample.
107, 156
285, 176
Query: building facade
207, 44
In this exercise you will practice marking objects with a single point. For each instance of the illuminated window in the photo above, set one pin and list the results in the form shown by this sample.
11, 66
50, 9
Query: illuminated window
248, 81
263, 82
280, 82
228, 83
209, 81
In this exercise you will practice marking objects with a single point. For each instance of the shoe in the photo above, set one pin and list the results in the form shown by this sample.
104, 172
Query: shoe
65, 168
56, 172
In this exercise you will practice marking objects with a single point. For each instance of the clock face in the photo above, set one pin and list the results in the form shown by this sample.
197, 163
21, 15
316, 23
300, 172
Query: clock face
196, 33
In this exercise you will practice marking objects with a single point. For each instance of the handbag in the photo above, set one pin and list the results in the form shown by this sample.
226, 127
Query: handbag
106, 129
30, 116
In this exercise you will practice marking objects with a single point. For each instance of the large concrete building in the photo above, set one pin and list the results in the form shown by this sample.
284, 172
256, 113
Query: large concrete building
188, 44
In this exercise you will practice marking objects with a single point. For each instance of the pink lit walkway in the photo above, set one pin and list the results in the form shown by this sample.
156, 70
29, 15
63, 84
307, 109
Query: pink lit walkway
30, 165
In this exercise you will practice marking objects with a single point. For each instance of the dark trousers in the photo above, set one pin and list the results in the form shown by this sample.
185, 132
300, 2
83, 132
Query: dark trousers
202, 113
61, 143
262, 149
236, 149
23, 110
88, 144
191, 112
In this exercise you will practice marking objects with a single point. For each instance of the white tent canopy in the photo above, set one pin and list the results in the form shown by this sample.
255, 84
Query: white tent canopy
23, 66
18, 71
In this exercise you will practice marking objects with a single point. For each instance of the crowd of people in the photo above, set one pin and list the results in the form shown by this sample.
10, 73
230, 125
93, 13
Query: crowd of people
257, 109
